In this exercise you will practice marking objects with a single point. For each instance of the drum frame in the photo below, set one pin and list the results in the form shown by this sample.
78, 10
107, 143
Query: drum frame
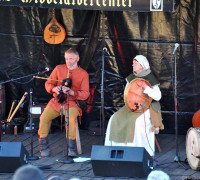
191, 153
146, 97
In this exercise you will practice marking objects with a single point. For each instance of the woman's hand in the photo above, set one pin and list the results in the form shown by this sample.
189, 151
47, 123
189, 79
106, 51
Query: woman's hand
142, 84
157, 130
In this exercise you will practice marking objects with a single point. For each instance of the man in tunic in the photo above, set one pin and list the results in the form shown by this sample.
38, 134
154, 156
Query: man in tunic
79, 90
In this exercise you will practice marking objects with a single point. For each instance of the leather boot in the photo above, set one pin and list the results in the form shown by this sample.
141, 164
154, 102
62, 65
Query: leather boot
44, 148
72, 148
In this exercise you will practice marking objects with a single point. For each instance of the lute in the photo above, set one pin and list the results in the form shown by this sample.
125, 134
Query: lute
54, 33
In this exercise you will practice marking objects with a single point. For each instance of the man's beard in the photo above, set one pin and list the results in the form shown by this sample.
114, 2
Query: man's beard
72, 66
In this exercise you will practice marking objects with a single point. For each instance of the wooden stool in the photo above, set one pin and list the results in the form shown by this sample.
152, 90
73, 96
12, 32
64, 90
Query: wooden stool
78, 142
157, 144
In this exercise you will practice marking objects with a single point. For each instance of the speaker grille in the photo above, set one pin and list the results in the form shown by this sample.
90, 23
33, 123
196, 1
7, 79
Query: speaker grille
120, 161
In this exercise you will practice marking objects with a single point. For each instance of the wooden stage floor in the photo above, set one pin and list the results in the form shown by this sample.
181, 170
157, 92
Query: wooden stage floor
83, 170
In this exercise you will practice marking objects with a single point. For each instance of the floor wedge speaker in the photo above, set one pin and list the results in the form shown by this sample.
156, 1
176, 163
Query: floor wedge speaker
12, 156
121, 161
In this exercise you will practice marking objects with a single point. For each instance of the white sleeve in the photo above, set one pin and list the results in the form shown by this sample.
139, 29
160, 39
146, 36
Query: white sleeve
153, 92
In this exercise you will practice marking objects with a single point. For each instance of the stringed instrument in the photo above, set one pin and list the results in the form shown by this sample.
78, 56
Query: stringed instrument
54, 33
134, 96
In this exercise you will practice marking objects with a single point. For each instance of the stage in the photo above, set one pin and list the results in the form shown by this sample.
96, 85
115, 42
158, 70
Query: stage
163, 160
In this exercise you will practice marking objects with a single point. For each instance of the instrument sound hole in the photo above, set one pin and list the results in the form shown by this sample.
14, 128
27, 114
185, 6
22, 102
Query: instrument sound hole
54, 29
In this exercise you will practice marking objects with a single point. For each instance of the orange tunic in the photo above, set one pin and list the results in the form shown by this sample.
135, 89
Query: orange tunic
80, 85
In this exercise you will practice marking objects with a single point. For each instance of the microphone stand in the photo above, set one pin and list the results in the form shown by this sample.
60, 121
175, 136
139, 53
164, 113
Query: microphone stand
102, 79
102, 94
11, 80
31, 122
30, 108
67, 161
176, 158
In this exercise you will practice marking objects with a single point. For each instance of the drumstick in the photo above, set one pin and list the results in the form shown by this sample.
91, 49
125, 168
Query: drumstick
38, 77
22, 99
11, 109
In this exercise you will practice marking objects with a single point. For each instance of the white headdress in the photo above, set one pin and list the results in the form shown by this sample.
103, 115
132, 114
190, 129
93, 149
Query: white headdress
143, 61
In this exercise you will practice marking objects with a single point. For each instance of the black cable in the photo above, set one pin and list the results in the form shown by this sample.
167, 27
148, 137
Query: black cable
181, 163
164, 163
67, 171
48, 166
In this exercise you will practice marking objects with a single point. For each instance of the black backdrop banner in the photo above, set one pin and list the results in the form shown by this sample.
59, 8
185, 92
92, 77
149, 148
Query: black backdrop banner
125, 34
108, 5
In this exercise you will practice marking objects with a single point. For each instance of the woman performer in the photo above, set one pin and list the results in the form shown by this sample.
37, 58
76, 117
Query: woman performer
128, 127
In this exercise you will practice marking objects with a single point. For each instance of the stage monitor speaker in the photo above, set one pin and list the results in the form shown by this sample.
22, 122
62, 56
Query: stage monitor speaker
121, 161
12, 156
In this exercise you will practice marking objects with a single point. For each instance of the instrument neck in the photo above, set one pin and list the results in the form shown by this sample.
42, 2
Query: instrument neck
53, 15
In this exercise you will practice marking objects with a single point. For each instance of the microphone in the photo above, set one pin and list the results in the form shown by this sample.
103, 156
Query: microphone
104, 49
175, 47
46, 70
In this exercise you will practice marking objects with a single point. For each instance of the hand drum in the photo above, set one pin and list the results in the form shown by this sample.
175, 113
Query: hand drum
134, 97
